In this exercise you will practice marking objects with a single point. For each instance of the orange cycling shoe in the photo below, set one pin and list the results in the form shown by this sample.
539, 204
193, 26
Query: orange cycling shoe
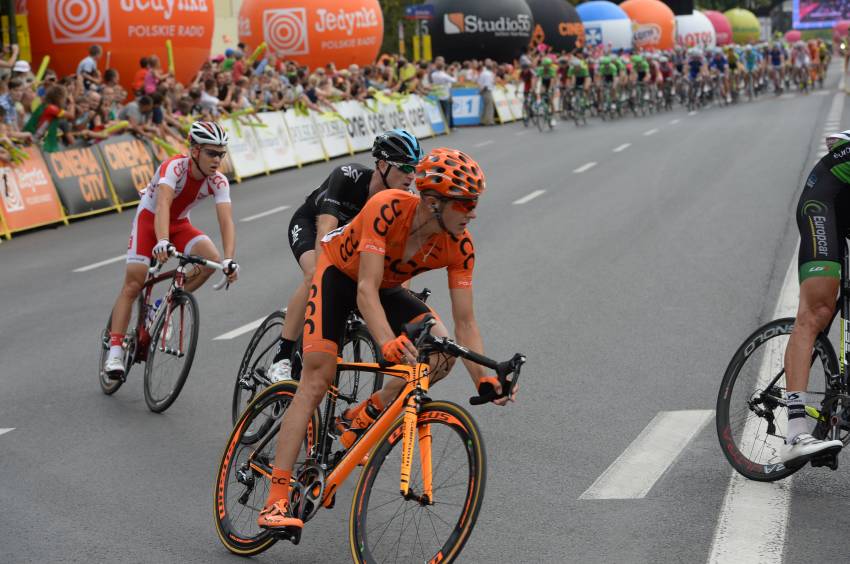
278, 516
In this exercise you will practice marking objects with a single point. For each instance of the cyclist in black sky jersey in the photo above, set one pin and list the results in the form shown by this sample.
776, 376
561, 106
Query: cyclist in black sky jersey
333, 204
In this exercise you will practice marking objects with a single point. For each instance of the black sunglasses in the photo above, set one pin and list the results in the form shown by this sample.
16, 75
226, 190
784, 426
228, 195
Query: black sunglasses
405, 168
213, 154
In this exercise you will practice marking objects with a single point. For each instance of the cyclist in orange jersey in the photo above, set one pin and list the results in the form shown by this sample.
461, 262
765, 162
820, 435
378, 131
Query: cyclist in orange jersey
396, 236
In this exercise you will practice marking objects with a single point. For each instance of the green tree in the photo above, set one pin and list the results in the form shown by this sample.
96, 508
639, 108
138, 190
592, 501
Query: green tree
393, 13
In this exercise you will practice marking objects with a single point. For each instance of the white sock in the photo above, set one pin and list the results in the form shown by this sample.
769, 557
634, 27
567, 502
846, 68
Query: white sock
116, 351
797, 424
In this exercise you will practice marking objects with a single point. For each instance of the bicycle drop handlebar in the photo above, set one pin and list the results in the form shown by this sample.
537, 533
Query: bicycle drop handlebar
192, 259
507, 372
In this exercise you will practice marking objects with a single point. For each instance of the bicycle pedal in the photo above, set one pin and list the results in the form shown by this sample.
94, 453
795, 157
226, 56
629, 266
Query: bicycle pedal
291, 534
827, 458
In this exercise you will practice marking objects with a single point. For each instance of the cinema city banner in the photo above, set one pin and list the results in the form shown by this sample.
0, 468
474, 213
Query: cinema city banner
129, 165
80, 181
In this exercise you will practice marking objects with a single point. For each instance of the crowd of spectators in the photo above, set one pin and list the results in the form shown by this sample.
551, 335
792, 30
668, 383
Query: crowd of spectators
91, 104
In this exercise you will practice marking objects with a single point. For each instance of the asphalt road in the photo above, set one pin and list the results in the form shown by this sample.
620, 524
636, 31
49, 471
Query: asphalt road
628, 285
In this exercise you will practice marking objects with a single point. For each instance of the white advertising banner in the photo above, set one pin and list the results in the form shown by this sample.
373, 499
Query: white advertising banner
277, 148
435, 115
417, 117
355, 120
500, 99
305, 137
244, 149
334, 134
514, 95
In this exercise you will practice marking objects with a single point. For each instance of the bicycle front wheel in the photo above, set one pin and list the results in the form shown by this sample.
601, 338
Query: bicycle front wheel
173, 341
752, 416
252, 376
386, 526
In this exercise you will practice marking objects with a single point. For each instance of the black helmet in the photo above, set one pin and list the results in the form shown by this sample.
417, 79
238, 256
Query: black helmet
397, 146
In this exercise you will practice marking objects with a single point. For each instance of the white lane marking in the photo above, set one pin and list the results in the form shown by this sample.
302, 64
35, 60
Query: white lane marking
637, 469
675, 121
240, 330
484, 143
2, 431
99, 264
585, 167
529, 197
739, 537
265, 213
622, 147
693, 113
652, 131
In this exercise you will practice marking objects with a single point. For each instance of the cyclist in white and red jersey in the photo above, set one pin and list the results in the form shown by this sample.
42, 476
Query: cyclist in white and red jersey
162, 225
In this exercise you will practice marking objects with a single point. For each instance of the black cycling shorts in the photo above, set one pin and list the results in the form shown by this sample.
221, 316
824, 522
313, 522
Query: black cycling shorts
822, 214
333, 295
302, 233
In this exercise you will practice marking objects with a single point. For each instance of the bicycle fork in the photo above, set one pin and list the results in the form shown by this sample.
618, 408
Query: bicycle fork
409, 433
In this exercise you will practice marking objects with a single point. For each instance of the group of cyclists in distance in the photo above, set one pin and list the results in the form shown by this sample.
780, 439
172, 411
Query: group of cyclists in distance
610, 83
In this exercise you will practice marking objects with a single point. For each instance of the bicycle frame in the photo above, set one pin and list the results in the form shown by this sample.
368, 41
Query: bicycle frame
406, 404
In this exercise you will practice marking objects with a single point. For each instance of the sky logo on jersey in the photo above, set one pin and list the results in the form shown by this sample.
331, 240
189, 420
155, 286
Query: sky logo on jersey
352, 173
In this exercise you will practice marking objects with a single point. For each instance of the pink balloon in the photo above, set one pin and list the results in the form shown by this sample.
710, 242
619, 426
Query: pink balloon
793, 36
722, 27
840, 29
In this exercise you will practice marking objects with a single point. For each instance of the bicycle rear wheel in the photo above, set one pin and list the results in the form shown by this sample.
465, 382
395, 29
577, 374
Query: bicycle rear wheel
252, 377
107, 385
384, 525
174, 338
751, 415
243, 477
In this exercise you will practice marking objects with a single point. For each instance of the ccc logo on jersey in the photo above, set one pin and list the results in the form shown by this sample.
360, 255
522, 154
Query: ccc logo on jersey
388, 214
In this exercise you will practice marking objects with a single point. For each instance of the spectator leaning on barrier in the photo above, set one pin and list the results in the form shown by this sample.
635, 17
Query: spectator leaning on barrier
9, 102
44, 123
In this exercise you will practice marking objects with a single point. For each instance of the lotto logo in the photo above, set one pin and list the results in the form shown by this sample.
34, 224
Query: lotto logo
79, 21
12, 199
285, 31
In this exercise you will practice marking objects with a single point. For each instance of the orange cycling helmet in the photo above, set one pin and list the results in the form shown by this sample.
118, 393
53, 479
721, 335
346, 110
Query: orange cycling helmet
451, 174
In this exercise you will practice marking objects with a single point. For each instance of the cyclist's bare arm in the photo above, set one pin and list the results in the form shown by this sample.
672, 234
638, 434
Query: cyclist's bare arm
224, 212
369, 303
162, 219
468, 335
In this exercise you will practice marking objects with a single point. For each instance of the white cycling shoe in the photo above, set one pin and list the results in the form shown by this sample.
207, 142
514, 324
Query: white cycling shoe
280, 371
805, 446
114, 368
